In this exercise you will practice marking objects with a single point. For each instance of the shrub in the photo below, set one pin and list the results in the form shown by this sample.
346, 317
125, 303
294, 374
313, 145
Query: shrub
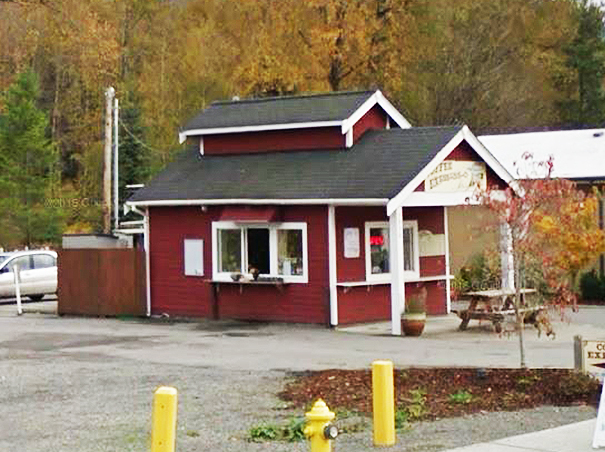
481, 272
592, 286
263, 432
460, 397
294, 430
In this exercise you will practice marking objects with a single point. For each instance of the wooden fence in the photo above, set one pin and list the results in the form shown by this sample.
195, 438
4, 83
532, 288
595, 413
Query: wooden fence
101, 282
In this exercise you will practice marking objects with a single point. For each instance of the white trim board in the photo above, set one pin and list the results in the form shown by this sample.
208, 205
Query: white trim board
259, 128
282, 202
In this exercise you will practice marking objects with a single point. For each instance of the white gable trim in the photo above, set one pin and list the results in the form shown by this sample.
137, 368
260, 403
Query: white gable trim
376, 98
400, 198
260, 128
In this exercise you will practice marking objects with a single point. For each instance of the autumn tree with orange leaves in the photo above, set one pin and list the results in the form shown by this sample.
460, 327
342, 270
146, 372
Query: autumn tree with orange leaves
552, 225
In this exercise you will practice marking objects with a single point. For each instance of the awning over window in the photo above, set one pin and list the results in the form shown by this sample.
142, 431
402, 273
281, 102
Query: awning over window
251, 214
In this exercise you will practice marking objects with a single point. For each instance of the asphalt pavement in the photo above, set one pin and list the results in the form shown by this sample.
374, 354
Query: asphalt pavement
251, 347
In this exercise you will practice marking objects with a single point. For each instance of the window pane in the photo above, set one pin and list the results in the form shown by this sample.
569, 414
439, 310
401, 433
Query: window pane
258, 250
230, 250
44, 261
379, 250
289, 252
408, 249
23, 262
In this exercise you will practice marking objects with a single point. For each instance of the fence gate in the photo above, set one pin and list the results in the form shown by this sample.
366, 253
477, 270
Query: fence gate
101, 282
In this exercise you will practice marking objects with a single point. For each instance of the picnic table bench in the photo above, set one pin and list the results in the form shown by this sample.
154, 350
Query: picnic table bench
494, 305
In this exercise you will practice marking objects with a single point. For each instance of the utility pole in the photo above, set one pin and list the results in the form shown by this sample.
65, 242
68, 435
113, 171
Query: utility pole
109, 95
116, 184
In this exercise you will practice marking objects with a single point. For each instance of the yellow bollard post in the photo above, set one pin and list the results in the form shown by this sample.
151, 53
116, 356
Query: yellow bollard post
383, 403
163, 432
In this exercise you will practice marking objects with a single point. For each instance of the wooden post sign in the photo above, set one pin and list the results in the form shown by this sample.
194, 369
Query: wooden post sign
590, 356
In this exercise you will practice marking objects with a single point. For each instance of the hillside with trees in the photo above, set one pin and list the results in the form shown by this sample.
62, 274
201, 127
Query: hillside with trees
496, 64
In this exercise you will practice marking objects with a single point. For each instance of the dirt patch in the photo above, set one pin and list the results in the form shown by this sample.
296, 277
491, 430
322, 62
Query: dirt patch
447, 392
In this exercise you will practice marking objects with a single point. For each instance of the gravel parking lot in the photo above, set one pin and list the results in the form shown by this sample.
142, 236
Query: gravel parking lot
87, 385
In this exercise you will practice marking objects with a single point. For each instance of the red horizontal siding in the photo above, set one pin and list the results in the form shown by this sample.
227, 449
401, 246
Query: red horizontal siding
176, 294
304, 303
465, 152
171, 291
364, 304
375, 118
373, 303
432, 266
274, 140
354, 269
429, 218
436, 300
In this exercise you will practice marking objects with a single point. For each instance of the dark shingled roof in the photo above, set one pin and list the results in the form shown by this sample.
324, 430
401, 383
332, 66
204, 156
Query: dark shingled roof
279, 110
378, 166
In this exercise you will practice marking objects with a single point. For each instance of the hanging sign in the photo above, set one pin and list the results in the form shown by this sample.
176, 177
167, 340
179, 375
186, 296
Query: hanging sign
456, 175
351, 242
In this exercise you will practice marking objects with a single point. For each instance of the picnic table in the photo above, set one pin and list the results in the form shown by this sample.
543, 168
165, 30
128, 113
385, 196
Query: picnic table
494, 305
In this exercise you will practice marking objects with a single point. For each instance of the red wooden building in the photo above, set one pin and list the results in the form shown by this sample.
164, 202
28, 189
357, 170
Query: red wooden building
334, 200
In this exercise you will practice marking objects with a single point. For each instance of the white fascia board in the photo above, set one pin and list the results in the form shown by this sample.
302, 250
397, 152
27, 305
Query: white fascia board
376, 98
284, 202
399, 199
348, 123
392, 111
260, 128
489, 158
431, 199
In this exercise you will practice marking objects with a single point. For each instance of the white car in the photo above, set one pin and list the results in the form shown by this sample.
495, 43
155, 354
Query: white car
37, 269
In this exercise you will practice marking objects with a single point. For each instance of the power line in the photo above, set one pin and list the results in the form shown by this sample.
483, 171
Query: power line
137, 139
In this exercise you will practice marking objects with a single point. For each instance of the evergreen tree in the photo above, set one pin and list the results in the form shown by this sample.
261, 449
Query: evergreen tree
586, 57
28, 169
133, 158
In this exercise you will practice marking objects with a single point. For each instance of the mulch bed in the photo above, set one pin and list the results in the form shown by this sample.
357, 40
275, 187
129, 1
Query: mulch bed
431, 393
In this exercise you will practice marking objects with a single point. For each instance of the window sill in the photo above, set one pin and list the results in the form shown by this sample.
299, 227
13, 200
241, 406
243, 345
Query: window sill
275, 282
348, 285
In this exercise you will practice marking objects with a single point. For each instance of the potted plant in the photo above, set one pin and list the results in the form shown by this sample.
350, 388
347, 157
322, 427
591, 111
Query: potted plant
413, 318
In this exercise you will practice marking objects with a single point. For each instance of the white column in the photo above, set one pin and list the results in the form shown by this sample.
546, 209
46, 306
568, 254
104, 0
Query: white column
396, 266
332, 266
147, 261
506, 258
446, 232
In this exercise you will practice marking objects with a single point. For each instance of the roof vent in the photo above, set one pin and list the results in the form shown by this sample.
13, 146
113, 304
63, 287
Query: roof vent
597, 134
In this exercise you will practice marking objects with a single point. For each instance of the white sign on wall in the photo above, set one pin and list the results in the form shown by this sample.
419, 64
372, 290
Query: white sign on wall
351, 242
456, 175
430, 244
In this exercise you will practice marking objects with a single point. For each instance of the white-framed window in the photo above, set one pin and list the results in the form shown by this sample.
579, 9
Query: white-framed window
193, 257
274, 249
377, 246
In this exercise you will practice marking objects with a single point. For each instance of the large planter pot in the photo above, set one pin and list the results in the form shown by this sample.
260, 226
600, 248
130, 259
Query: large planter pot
412, 324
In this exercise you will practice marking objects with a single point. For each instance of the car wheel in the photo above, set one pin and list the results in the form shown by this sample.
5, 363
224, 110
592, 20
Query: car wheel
35, 297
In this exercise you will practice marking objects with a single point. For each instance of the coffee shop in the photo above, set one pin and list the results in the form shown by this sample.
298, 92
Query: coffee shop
327, 209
